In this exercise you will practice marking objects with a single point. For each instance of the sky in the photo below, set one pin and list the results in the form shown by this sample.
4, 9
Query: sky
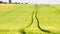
36, 1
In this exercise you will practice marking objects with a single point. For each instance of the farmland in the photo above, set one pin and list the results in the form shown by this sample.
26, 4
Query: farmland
15, 18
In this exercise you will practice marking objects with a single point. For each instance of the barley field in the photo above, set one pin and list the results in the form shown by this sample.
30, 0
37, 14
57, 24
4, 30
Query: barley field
15, 18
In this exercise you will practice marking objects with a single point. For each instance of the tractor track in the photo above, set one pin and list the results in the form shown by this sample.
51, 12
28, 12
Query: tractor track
43, 30
36, 17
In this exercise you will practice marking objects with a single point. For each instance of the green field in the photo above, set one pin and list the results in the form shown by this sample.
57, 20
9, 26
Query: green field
14, 18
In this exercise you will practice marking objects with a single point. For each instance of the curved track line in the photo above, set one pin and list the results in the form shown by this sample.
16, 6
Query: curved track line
35, 8
38, 21
31, 19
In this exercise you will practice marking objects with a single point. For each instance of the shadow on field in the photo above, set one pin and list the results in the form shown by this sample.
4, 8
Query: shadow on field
22, 31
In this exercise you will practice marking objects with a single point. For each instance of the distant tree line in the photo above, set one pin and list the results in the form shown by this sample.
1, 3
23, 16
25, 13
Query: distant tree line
2, 2
10, 2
